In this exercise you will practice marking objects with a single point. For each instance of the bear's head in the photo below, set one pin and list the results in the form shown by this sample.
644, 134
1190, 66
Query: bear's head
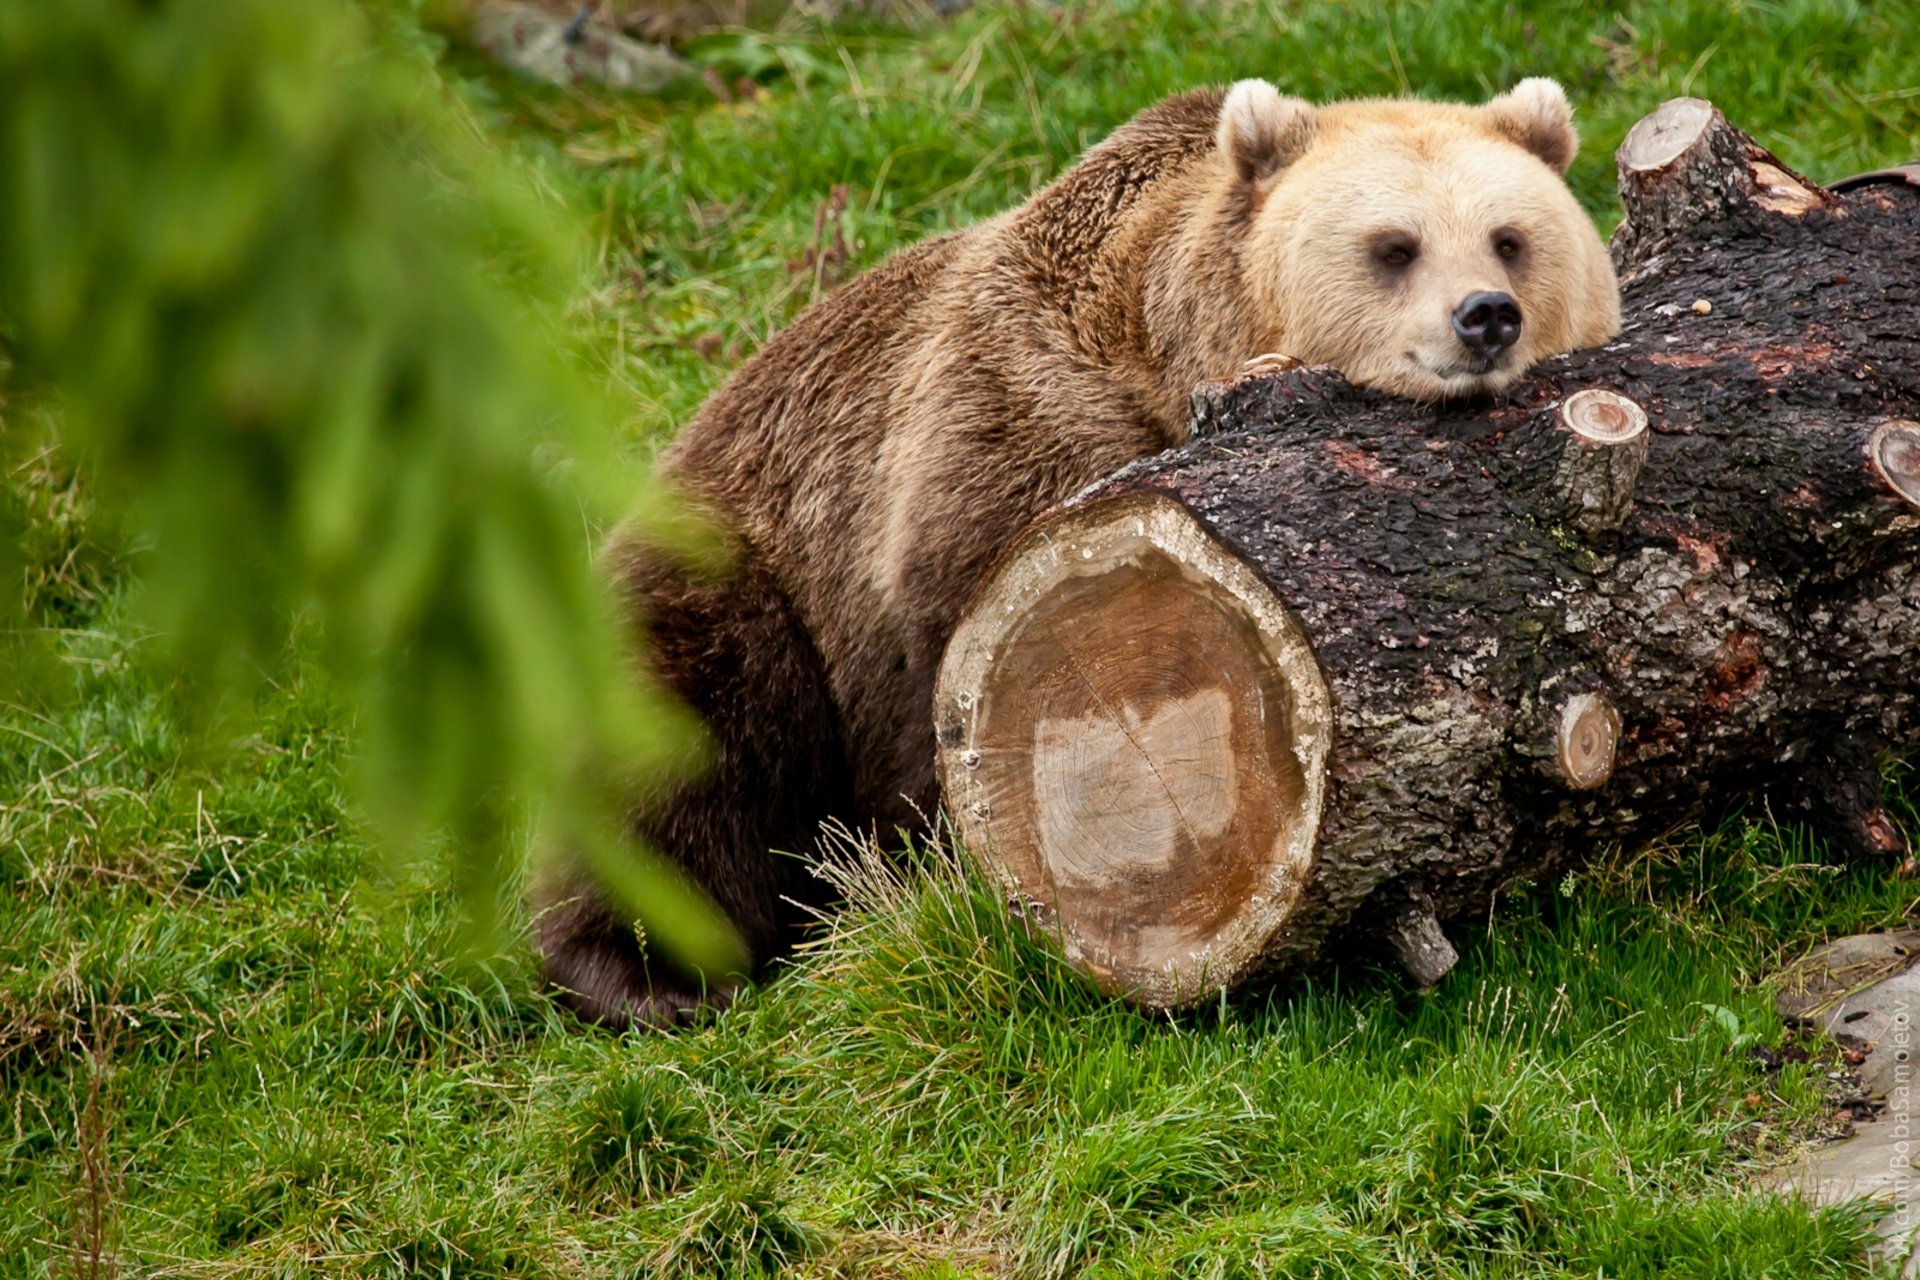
1425, 249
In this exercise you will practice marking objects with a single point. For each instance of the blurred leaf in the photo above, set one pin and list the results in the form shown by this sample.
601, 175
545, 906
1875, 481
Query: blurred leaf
308, 332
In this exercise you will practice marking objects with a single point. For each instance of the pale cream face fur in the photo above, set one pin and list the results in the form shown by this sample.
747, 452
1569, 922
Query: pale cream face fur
1373, 221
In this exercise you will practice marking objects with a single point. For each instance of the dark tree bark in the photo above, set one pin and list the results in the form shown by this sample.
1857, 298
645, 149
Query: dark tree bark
1347, 666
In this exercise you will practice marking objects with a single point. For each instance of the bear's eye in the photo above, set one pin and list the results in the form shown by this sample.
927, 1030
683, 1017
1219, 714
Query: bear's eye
1509, 245
1395, 252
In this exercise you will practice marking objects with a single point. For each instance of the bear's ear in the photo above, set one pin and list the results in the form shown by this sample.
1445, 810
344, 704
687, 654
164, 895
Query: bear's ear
1535, 114
1262, 132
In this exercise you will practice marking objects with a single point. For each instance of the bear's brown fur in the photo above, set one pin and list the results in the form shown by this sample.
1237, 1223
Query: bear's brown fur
876, 456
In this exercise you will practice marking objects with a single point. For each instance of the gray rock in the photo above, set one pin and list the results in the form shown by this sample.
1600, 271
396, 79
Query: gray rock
566, 51
1863, 991
1876, 1163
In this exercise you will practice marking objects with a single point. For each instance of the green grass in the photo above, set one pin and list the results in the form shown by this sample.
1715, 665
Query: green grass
235, 1040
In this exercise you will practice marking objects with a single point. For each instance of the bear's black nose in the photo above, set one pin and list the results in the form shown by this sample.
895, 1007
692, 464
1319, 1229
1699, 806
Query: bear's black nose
1488, 323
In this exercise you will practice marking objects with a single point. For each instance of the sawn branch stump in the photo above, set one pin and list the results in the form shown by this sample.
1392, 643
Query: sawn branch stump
1347, 666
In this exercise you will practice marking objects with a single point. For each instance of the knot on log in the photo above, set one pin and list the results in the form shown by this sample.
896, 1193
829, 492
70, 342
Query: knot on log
1844, 805
1859, 516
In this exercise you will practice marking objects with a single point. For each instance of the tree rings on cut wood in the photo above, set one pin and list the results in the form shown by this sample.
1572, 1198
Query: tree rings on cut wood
1606, 446
1665, 135
1894, 448
1603, 417
1133, 740
1587, 735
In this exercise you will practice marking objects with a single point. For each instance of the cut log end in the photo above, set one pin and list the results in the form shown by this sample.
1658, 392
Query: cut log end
1894, 449
1661, 138
1587, 737
1133, 736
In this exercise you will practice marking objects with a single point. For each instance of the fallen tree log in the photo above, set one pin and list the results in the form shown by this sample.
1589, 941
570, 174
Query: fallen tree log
1346, 666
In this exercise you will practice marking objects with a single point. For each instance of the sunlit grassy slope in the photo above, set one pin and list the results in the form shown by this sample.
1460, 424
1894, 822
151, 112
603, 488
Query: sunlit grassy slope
234, 1040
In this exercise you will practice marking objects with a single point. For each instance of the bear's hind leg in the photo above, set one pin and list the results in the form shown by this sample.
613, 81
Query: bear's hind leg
733, 649
598, 966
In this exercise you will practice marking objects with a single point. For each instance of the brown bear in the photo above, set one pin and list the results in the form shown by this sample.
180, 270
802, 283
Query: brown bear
876, 456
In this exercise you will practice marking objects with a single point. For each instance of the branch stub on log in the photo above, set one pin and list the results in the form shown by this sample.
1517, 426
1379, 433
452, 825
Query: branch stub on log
1600, 465
1894, 448
1603, 417
1664, 136
1419, 943
1587, 738
1684, 165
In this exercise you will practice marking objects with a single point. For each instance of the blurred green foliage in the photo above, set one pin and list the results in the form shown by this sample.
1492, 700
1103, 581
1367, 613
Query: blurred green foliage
305, 329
